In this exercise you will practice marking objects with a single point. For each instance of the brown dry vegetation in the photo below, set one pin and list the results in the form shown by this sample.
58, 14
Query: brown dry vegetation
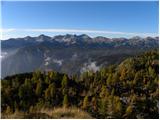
56, 113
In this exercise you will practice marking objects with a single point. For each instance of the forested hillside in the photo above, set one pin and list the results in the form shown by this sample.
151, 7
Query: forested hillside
127, 90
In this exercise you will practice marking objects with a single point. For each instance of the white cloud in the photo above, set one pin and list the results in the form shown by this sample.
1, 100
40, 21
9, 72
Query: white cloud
3, 32
75, 31
90, 67
59, 62
88, 31
7, 30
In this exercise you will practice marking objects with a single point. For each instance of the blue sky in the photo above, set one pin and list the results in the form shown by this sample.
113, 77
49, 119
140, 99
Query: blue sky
110, 19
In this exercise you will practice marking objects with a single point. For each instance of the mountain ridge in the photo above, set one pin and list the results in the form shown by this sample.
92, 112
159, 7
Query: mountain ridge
81, 35
69, 53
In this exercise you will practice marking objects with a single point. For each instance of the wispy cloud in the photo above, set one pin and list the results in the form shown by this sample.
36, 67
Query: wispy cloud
7, 30
73, 31
88, 31
77, 31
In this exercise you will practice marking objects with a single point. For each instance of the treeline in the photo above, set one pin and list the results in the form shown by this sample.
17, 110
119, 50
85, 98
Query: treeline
128, 90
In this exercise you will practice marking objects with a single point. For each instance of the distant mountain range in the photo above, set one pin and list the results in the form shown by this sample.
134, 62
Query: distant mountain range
71, 54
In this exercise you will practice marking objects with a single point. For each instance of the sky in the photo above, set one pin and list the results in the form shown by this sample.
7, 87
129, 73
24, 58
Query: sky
105, 18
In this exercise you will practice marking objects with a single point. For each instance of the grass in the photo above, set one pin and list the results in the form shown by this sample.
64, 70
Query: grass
73, 113
56, 113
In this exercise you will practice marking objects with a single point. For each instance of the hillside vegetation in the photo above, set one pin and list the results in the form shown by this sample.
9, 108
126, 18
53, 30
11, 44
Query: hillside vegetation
127, 90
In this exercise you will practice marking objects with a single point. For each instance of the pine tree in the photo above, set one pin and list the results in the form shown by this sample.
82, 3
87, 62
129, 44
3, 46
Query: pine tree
109, 79
64, 82
52, 90
103, 106
39, 88
103, 92
117, 107
128, 113
85, 102
94, 103
47, 94
65, 101
8, 110
47, 81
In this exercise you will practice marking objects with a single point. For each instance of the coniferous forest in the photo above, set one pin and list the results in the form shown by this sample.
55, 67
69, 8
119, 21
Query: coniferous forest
127, 90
